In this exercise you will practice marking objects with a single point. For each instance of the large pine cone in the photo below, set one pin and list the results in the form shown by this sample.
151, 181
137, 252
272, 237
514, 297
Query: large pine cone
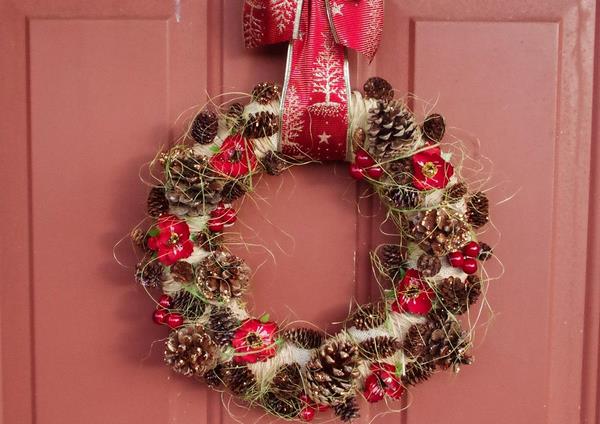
204, 128
478, 210
222, 325
190, 306
190, 351
415, 373
368, 316
440, 342
305, 338
378, 348
238, 378
157, 203
393, 130
438, 232
261, 124
457, 296
347, 410
330, 374
222, 276
287, 382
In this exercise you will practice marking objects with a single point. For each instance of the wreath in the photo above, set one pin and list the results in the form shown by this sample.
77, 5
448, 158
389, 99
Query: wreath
430, 275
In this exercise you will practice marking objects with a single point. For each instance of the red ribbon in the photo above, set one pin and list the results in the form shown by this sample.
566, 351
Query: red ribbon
314, 112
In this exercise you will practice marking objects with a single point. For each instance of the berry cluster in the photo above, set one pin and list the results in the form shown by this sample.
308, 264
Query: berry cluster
364, 166
467, 259
162, 315
220, 218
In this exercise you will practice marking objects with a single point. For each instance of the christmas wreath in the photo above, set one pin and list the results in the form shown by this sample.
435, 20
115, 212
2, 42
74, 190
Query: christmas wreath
433, 269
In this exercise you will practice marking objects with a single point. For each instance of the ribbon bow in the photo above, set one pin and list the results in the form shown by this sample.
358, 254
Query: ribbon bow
314, 103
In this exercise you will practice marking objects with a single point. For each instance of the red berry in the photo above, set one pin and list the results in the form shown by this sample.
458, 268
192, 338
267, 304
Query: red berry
373, 390
472, 249
363, 160
375, 172
229, 216
357, 172
218, 211
215, 225
456, 259
165, 301
469, 266
159, 315
307, 413
174, 320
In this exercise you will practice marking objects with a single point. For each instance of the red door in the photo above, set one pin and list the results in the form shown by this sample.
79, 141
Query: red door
91, 89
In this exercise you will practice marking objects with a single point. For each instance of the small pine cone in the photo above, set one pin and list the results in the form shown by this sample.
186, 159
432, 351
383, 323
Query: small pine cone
305, 338
439, 232
401, 171
232, 191
287, 382
379, 89
393, 257
234, 117
478, 210
347, 410
456, 296
456, 192
222, 276
434, 127
190, 351
429, 265
403, 198
182, 272
261, 124
213, 378
157, 203
222, 325
287, 408
273, 164
393, 130
369, 316
237, 378
486, 252
330, 375
205, 126
149, 273
378, 348
190, 306
138, 237
415, 373
266, 92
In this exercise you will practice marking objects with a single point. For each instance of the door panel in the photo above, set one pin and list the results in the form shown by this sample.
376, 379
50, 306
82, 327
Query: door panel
91, 90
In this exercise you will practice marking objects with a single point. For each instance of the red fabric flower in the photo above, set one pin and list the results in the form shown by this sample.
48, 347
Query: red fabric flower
383, 381
172, 240
413, 295
430, 170
235, 158
254, 341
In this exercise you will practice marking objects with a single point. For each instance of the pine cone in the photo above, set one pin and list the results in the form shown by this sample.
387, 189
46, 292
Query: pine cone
369, 316
305, 338
358, 139
149, 273
403, 198
205, 126
378, 348
222, 276
213, 378
393, 130
486, 252
456, 192
457, 296
347, 410
138, 237
287, 408
378, 88
401, 172
190, 306
261, 124
232, 191
190, 351
182, 272
438, 232
429, 265
330, 374
434, 127
222, 325
287, 382
438, 342
393, 257
478, 210
157, 203
415, 373
266, 92
234, 117
238, 378
273, 164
